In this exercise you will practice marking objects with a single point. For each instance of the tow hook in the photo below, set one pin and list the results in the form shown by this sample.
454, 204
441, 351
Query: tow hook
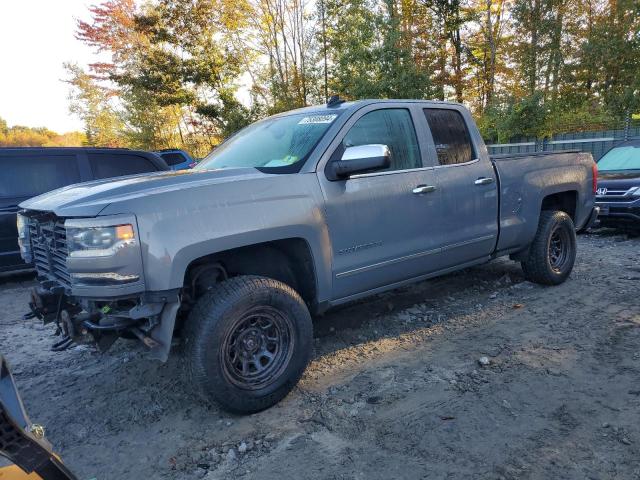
72, 330
67, 330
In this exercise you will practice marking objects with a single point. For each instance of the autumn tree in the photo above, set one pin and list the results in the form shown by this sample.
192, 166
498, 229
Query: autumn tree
20, 136
187, 73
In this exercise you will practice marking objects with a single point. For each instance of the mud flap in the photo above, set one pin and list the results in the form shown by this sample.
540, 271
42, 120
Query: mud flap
163, 333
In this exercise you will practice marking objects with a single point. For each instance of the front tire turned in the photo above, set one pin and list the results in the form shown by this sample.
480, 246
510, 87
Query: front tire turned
552, 253
248, 341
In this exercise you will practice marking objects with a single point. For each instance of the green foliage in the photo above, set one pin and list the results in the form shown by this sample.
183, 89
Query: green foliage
94, 104
188, 73
514, 118
370, 57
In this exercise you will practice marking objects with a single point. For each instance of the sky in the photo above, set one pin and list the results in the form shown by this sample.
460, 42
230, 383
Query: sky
37, 36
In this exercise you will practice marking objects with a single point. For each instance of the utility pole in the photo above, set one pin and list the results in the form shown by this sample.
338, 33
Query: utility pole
324, 45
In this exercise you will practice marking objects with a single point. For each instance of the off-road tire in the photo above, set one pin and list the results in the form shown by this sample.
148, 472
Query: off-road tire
210, 333
539, 266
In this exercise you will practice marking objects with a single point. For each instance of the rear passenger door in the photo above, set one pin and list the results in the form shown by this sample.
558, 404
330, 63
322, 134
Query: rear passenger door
468, 186
24, 175
117, 164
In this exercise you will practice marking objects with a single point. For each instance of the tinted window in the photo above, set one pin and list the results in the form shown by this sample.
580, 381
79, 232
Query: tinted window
450, 134
30, 175
108, 165
392, 127
172, 158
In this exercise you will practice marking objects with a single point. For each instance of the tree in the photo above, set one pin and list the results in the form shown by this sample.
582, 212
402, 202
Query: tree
95, 106
19, 136
371, 51
187, 73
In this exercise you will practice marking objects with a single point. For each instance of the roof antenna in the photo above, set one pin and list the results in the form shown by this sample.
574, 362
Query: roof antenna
334, 101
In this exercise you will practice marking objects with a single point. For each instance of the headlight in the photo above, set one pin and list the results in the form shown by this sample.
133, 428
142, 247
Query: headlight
23, 238
22, 226
99, 241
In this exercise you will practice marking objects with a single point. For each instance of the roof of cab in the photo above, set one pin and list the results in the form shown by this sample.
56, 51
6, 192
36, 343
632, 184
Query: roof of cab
356, 104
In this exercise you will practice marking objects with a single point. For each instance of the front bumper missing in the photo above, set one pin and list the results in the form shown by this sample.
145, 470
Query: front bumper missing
150, 320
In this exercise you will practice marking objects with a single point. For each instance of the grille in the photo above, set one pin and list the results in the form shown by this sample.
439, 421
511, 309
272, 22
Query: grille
614, 196
49, 248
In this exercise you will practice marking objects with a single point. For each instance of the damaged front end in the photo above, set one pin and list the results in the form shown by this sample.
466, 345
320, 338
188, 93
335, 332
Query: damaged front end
92, 283
102, 322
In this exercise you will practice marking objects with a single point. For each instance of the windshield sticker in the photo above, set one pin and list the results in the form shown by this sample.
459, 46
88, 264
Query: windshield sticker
317, 119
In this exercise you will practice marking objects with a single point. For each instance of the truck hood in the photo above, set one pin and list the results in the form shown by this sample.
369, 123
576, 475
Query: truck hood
90, 198
619, 180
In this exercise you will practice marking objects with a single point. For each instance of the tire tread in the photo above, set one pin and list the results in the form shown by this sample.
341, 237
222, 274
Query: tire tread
535, 267
202, 319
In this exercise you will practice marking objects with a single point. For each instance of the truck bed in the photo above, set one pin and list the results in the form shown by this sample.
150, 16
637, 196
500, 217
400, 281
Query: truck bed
525, 179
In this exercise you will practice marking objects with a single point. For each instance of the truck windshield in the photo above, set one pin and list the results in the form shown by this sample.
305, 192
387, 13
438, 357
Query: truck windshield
277, 145
620, 158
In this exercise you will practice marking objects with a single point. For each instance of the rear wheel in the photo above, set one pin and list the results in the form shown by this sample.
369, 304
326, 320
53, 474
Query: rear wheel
552, 253
248, 341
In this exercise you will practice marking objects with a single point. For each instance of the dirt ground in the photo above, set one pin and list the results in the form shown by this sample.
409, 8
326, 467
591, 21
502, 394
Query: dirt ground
396, 389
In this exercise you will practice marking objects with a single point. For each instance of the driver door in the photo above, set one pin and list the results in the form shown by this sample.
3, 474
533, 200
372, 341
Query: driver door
383, 225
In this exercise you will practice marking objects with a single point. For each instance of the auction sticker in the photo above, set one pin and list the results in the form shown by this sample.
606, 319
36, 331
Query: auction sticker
317, 119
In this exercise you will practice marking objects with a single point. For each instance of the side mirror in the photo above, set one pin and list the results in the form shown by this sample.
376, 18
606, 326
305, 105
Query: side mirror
361, 159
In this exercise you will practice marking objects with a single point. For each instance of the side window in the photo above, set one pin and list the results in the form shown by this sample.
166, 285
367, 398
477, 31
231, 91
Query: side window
392, 127
108, 165
172, 158
451, 136
30, 175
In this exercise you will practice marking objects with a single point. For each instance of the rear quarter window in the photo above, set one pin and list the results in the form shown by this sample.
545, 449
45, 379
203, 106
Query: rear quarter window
109, 165
172, 158
32, 174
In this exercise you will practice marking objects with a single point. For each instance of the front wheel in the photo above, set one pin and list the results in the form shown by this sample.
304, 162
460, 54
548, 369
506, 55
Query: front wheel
553, 250
248, 341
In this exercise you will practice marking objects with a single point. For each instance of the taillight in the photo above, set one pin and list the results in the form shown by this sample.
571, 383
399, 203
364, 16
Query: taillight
594, 170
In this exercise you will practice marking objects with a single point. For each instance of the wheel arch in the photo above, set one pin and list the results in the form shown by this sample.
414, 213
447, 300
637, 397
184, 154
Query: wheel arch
566, 201
289, 260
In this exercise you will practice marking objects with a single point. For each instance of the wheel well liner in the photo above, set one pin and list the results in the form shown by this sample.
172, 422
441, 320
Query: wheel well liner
288, 260
565, 201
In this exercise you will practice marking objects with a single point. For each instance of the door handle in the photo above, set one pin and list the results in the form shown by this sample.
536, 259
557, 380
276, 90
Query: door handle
420, 189
483, 181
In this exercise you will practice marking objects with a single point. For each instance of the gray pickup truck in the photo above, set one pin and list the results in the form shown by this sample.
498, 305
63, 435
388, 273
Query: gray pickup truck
293, 215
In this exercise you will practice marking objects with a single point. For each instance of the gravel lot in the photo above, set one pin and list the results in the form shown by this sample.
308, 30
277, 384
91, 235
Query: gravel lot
396, 389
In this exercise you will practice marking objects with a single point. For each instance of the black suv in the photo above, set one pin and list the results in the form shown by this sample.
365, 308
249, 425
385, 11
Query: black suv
618, 193
27, 172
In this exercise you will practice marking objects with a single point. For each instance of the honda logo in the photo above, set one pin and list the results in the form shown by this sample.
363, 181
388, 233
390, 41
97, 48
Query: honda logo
601, 191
